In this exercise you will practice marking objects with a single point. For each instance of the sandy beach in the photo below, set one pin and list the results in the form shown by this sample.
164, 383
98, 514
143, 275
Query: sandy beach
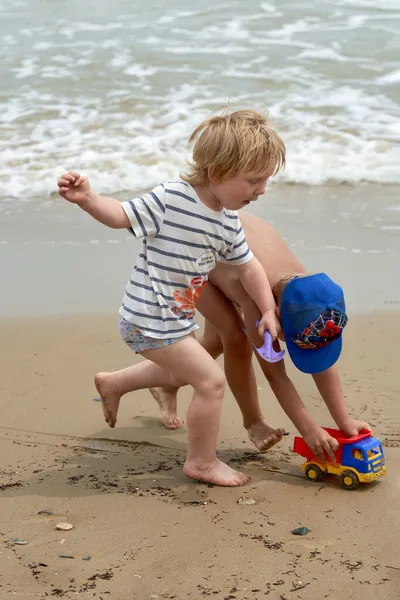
141, 529
149, 531
114, 91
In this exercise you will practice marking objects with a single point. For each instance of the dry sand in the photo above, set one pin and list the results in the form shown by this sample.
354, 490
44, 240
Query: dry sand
149, 531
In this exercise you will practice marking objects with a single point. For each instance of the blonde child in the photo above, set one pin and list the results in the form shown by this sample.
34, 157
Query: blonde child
188, 226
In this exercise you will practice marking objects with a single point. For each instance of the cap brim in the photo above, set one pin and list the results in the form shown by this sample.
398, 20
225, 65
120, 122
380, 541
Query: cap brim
314, 361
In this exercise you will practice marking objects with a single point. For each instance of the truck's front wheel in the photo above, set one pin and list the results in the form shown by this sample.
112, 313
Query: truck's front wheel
349, 480
313, 472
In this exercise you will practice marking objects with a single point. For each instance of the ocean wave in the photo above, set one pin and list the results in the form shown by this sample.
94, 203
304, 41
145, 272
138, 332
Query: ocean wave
341, 135
117, 95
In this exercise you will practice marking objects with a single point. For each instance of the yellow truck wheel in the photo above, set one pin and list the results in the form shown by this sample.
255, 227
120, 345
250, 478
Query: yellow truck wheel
313, 472
349, 480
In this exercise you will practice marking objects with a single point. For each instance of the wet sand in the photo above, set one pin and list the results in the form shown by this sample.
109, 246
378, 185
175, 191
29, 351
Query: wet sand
152, 533
55, 259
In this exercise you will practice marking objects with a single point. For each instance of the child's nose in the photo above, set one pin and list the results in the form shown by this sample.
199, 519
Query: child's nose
260, 189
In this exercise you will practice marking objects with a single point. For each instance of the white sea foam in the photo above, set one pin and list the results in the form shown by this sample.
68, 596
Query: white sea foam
389, 78
270, 8
322, 54
118, 96
376, 4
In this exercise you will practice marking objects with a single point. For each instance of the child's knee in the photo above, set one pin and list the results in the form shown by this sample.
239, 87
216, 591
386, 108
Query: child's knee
213, 386
236, 340
275, 376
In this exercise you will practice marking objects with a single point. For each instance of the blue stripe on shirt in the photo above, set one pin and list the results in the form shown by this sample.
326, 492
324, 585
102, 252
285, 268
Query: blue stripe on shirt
157, 226
171, 269
138, 218
201, 231
239, 244
178, 181
185, 242
197, 216
160, 204
132, 297
171, 254
148, 287
239, 257
162, 331
173, 284
149, 316
181, 195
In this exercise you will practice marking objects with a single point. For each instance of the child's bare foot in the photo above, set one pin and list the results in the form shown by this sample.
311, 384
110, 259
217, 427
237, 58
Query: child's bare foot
166, 400
217, 473
263, 436
109, 397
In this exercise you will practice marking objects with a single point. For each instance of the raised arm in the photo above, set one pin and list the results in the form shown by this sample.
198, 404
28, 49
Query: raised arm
76, 189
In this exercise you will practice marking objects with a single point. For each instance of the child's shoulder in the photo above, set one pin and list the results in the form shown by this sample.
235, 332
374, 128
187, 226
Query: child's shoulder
178, 192
232, 216
178, 184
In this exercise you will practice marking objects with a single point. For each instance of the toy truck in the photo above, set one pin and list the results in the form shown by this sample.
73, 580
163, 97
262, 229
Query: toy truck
359, 459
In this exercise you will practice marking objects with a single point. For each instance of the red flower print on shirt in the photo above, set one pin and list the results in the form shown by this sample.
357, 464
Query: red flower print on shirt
187, 300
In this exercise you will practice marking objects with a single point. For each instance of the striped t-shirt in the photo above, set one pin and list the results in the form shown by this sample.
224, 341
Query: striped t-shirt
183, 241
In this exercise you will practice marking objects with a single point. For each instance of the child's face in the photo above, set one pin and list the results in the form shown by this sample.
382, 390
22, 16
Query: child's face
238, 191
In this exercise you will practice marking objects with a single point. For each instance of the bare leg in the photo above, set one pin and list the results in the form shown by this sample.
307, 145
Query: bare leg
224, 322
112, 386
184, 362
223, 332
166, 397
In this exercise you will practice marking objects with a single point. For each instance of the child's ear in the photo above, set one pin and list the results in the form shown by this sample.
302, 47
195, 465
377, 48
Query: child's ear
213, 179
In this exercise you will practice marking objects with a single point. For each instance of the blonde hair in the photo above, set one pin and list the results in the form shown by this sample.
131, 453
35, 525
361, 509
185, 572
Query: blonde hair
280, 285
225, 145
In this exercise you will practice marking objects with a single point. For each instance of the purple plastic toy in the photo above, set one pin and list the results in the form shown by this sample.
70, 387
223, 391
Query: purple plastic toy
266, 351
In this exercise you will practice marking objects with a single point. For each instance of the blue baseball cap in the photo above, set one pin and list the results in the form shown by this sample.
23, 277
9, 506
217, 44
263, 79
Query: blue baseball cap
313, 315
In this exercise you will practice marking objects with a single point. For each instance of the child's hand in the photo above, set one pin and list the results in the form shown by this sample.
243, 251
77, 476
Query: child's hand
269, 321
354, 427
320, 442
74, 187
